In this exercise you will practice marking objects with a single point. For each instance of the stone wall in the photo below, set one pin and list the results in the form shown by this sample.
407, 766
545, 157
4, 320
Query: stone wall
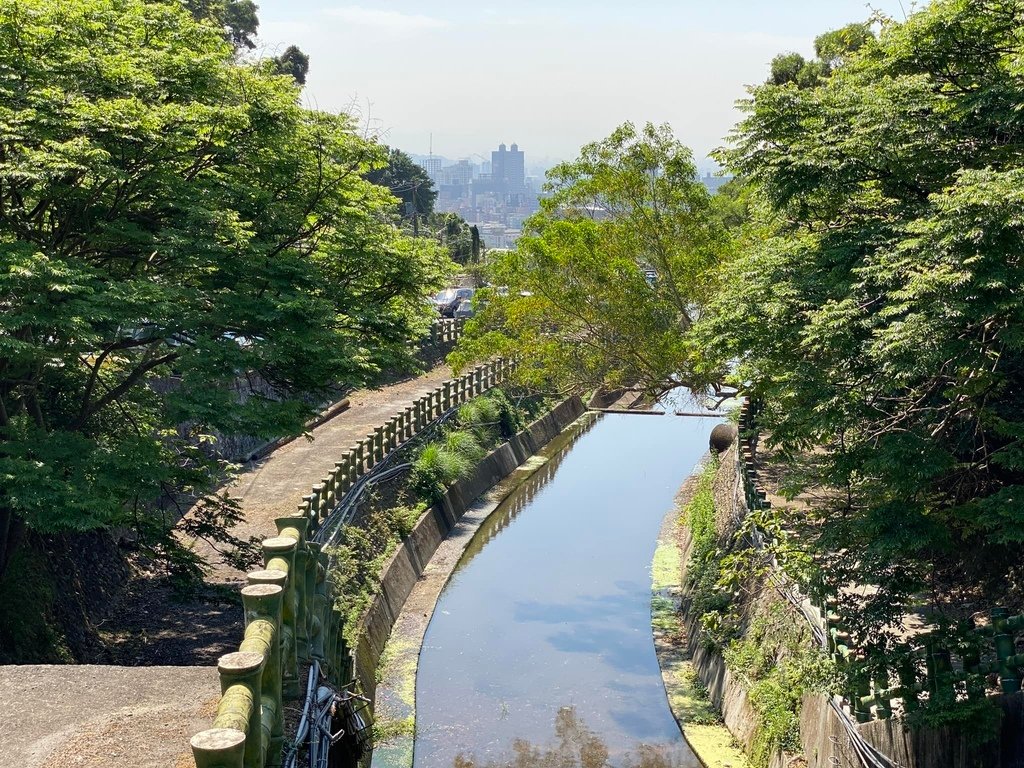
405, 566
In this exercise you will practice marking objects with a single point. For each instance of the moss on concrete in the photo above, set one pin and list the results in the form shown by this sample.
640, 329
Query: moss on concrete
698, 719
395, 715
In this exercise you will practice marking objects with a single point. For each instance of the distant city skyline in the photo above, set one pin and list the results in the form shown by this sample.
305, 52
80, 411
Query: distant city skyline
550, 75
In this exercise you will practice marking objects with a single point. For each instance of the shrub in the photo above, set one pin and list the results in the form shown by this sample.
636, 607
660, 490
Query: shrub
511, 419
778, 663
704, 567
436, 469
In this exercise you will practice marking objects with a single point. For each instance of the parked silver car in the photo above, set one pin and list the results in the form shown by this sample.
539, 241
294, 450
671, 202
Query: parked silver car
449, 299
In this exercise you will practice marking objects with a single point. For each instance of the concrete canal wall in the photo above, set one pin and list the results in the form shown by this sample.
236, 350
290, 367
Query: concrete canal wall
404, 568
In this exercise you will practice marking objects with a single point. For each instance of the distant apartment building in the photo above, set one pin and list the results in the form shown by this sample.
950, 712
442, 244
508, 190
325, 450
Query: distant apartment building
496, 195
432, 165
508, 170
458, 175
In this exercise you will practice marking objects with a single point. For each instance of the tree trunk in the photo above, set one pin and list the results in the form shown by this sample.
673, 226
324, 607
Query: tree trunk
12, 531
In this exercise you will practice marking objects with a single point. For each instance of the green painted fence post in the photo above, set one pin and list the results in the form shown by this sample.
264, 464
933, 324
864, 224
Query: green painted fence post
262, 605
318, 598
317, 508
908, 682
1003, 641
334, 479
297, 528
341, 485
240, 701
883, 707
862, 689
219, 748
937, 666
971, 656
279, 555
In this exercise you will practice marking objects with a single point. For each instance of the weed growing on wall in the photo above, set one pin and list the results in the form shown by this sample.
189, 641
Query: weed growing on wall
358, 560
778, 663
704, 569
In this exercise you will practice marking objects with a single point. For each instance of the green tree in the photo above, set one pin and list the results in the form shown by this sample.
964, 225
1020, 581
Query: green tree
293, 62
172, 223
608, 279
408, 182
238, 18
879, 314
831, 48
453, 232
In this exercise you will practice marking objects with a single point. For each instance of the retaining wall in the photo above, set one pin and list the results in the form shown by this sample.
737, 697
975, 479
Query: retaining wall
402, 571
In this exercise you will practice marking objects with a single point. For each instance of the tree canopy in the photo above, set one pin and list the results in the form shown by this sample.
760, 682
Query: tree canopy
878, 312
610, 276
172, 224
831, 49
293, 62
408, 182
238, 18
460, 238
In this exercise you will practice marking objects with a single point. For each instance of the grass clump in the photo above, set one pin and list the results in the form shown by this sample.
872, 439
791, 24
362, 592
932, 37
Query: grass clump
480, 425
436, 469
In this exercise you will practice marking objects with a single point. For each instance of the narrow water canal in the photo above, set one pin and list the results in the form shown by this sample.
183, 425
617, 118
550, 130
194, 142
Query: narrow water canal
539, 652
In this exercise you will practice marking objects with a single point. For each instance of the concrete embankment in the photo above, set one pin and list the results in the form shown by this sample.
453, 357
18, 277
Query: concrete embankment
411, 558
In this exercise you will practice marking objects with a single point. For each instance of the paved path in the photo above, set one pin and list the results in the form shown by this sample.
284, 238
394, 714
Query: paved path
274, 486
142, 717
82, 716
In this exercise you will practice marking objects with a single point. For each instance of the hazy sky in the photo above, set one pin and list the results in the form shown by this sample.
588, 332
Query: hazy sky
548, 74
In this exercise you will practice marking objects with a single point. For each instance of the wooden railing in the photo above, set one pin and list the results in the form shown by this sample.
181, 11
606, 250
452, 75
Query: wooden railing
446, 331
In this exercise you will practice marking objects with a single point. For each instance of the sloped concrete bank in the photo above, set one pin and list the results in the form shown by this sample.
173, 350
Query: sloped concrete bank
407, 564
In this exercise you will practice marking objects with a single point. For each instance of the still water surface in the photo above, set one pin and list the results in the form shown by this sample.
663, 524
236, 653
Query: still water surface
539, 653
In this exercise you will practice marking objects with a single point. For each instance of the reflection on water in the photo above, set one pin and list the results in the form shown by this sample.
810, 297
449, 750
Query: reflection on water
499, 520
576, 746
547, 618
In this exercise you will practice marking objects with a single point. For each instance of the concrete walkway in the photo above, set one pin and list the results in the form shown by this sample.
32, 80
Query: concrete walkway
82, 716
274, 486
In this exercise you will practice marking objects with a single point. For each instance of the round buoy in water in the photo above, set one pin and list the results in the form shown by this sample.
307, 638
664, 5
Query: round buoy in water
721, 437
